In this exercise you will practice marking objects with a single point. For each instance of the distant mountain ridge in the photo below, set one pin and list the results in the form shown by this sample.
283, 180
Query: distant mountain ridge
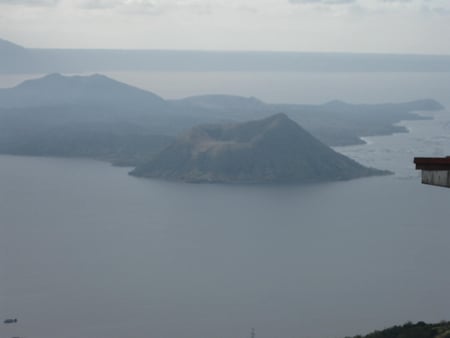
15, 58
32, 60
223, 103
56, 89
271, 150
87, 116
57, 115
336, 123
9, 46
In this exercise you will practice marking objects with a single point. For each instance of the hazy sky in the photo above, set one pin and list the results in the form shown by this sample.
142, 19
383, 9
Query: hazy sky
398, 26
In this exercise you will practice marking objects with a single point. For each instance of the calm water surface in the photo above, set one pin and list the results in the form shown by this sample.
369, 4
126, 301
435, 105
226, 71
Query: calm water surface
90, 252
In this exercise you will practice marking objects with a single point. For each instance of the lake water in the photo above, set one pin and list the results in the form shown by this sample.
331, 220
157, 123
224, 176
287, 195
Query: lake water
90, 252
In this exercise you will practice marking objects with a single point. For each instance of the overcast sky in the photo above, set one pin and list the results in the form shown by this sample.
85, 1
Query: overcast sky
397, 26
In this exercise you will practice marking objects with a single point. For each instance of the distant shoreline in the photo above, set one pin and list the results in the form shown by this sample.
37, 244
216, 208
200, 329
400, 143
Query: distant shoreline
366, 140
37, 60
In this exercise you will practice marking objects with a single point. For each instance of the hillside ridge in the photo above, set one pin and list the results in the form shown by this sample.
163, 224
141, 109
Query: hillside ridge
271, 150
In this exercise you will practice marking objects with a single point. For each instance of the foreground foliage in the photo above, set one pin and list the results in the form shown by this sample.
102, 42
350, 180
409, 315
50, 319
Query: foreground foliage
410, 330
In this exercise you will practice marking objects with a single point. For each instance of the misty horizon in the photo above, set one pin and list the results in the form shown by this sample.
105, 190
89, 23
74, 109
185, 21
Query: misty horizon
47, 60
225, 51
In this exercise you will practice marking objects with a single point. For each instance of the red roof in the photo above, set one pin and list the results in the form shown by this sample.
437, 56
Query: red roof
432, 163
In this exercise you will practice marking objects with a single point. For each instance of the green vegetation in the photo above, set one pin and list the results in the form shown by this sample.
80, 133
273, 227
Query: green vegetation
410, 330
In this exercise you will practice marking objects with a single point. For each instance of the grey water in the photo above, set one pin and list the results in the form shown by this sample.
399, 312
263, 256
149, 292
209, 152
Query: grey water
88, 251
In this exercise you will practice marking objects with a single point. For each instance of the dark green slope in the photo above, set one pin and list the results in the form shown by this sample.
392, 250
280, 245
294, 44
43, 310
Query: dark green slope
272, 150
410, 330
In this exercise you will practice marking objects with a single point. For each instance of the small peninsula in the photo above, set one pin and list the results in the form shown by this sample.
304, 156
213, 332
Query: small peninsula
271, 150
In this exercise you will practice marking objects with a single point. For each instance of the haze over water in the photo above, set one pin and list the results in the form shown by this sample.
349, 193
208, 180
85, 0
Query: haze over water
88, 251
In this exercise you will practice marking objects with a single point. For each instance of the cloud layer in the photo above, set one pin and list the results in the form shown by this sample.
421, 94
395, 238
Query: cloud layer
322, 2
30, 2
410, 26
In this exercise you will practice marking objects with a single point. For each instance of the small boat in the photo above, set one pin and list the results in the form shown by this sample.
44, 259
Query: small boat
10, 321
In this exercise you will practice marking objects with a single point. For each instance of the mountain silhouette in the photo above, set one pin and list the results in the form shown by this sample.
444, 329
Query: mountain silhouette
271, 150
